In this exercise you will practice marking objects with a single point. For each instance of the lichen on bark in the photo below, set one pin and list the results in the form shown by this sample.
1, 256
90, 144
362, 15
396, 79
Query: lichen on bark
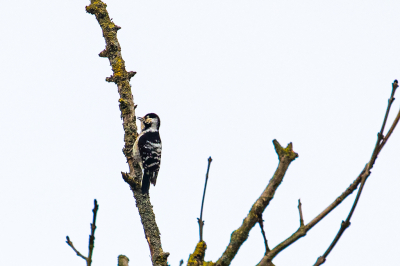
121, 78
197, 257
239, 236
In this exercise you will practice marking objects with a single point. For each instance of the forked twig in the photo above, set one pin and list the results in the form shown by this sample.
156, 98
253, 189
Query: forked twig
367, 171
200, 220
88, 259
302, 230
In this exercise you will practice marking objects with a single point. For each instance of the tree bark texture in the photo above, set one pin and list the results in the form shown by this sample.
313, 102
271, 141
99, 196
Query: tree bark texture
127, 107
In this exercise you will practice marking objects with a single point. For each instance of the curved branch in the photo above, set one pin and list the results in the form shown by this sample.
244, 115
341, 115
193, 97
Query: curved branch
377, 149
121, 78
302, 231
361, 179
239, 236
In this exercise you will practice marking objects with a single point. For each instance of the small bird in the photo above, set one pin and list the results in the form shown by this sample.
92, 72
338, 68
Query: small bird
147, 150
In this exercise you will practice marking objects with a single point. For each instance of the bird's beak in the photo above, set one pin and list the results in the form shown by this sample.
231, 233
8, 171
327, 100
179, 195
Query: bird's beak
140, 119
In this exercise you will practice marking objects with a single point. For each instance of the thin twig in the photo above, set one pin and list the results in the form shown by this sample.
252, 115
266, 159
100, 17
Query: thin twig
385, 139
91, 238
69, 242
302, 230
300, 214
93, 228
395, 85
200, 220
362, 177
261, 222
180, 263
378, 147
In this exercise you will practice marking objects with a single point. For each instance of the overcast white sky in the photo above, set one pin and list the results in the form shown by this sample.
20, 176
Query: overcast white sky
226, 78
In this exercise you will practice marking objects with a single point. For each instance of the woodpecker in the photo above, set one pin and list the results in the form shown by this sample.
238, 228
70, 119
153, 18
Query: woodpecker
147, 150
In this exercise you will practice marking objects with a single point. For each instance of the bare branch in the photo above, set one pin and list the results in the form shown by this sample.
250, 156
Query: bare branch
395, 85
302, 230
261, 222
378, 147
386, 138
200, 220
121, 78
300, 214
286, 156
91, 238
362, 177
69, 242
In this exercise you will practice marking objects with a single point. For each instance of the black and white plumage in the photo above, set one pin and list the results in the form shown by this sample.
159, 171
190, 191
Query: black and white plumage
147, 149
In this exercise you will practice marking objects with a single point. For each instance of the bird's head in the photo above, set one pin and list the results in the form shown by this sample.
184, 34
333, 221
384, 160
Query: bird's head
150, 121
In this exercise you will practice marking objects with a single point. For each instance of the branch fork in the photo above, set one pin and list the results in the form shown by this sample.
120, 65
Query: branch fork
88, 259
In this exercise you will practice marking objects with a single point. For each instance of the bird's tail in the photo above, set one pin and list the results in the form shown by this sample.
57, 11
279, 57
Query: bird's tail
153, 178
146, 182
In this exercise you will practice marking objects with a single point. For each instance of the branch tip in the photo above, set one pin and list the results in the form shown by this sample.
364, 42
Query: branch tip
123, 260
301, 214
395, 84
200, 220
285, 152
361, 179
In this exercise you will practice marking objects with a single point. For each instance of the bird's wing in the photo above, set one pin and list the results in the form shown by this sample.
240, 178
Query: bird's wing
150, 150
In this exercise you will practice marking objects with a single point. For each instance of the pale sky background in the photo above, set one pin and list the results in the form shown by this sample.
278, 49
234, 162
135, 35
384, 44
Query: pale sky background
226, 78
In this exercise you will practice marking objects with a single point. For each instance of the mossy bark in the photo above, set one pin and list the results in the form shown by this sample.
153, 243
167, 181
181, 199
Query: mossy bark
197, 257
239, 236
121, 78
123, 260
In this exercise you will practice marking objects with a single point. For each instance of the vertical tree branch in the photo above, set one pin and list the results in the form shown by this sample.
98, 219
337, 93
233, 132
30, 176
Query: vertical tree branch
127, 107
93, 228
300, 214
200, 220
88, 259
